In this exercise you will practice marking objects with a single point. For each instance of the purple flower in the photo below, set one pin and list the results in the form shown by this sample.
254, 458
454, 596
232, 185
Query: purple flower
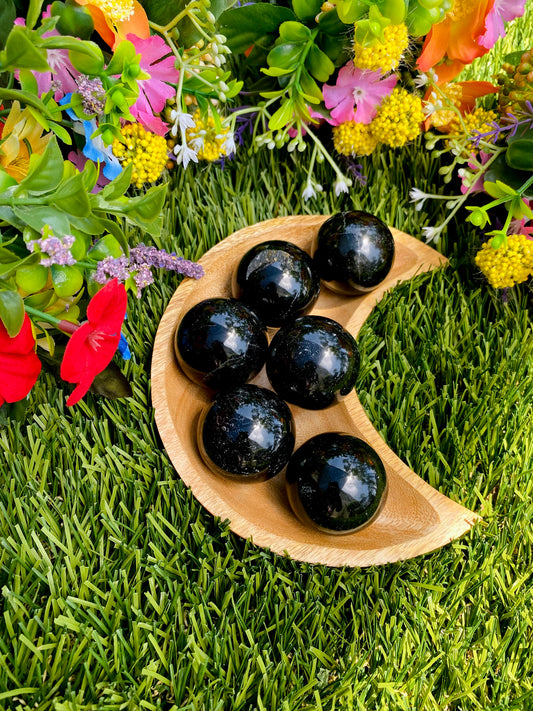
56, 249
356, 95
139, 263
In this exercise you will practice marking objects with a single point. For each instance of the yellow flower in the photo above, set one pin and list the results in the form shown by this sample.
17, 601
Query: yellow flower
508, 265
477, 120
147, 151
382, 55
21, 137
399, 118
205, 140
354, 139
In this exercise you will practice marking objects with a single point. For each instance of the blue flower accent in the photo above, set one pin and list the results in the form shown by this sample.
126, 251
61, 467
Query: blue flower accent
94, 148
123, 347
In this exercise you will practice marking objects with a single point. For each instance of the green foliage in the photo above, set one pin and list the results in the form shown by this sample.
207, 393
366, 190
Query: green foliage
7, 18
132, 593
244, 25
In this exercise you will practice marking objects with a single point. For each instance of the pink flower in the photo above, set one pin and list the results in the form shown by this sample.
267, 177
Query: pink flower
502, 11
356, 88
469, 181
153, 92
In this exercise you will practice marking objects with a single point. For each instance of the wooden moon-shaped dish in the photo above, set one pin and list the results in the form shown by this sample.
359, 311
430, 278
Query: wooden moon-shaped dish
414, 519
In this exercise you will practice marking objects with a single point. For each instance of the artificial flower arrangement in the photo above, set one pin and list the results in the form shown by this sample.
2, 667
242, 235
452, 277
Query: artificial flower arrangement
101, 99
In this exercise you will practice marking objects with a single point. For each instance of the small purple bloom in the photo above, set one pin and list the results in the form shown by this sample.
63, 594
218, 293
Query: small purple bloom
56, 249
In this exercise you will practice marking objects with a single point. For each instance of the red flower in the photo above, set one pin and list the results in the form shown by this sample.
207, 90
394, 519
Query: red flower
19, 365
93, 345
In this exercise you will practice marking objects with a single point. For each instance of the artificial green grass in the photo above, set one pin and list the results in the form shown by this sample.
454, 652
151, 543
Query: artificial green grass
119, 591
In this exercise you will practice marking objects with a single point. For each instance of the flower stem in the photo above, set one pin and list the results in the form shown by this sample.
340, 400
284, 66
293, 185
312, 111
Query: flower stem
61, 324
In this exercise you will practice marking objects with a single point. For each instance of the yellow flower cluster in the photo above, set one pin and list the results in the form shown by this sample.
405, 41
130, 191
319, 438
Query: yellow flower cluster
477, 120
442, 118
204, 139
354, 139
147, 151
116, 10
382, 55
398, 120
508, 265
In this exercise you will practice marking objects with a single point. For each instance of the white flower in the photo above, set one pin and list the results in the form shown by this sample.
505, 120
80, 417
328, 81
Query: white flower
431, 234
308, 192
341, 186
184, 155
421, 80
311, 190
181, 121
419, 197
229, 144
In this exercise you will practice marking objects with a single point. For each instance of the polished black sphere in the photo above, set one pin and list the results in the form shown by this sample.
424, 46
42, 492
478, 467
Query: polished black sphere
278, 280
336, 482
246, 434
313, 362
221, 343
353, 252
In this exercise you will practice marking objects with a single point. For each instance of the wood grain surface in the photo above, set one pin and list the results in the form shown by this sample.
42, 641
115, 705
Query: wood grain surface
414, 519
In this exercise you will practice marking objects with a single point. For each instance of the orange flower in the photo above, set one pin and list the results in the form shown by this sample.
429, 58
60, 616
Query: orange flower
21, 137
462, 94
114, 19
455, 39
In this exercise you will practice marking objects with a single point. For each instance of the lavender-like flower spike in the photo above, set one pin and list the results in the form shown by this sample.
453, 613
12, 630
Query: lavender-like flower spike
56, 249
139, 264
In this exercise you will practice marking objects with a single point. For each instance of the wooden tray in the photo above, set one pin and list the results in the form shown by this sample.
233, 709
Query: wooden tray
415, 518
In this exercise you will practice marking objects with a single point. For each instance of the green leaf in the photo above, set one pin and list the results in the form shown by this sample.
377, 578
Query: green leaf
282, 116
500, 170
275, 72
124, 53
146, 207
25, 97
118, 186
285, 55
7, 19
108, 246
163, 12
38, 216
310, 88
34, 12
519, 154
242, 26
47, 172
306, 10
111, 383
11, 312
292, 31
91, 63
514, 57
499, 189
21, 53
71, 196
349, 11
28, 82
330, 24
319, 64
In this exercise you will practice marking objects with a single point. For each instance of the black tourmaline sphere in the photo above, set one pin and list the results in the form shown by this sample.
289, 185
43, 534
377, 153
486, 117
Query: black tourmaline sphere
278, 280
353, 252
221, 343
313, 362
336, 482
246, 434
